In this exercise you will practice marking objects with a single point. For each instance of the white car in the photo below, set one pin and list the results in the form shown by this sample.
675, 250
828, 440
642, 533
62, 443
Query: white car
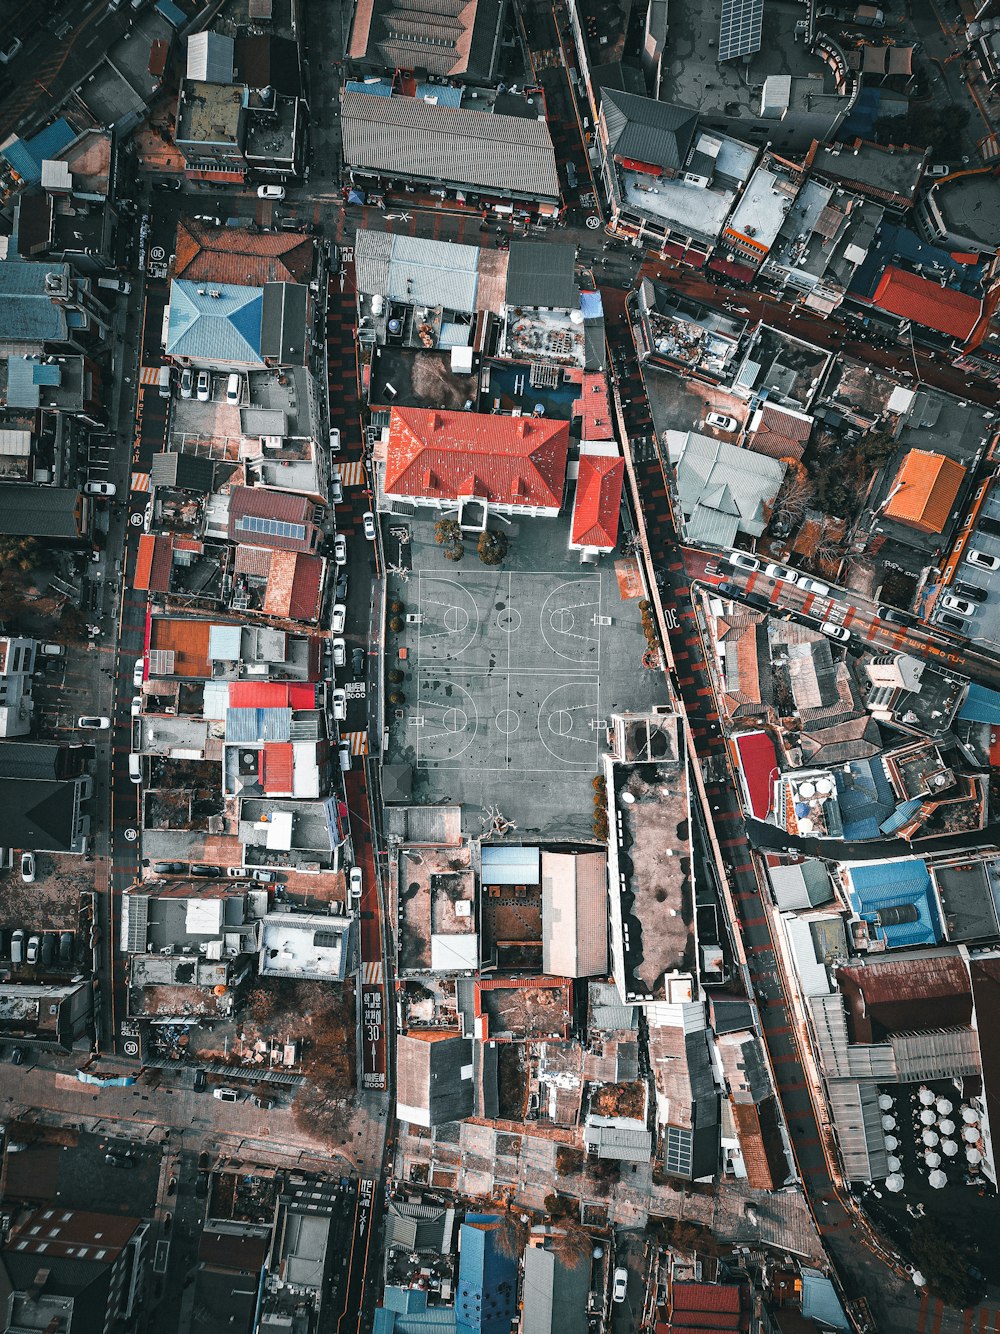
938, 170
28, 867
91, 723
336, 489
816, 586
138, 673
356, 883
838, 632
99, 489
270, 192
226, 1095
340, 549
204, 387
334, 440
368, 520
339, 702
339, 653
619, 1285
983, 559
339, 618
742, 561
136, 707
722, 421
187, 382
782, 572
964, 606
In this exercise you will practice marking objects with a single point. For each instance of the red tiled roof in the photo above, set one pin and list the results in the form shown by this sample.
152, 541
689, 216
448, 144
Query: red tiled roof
927, 303
278, 766
889, 996
706, 1297
262, 502
598, 503
758, 762
504, 460
775, 446
793, 425
144, 562
925, 489
205, 254
696, 1307
305, 596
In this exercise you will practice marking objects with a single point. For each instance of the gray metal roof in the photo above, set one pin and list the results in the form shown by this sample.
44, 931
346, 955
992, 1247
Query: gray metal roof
554, 1295
405, 136
722, 488
284, 323
618, 1142
542, 273
800, 885
188, 472
27, 311
214, 323
645, 130
510, 864
418, 271
40, 511
246, 725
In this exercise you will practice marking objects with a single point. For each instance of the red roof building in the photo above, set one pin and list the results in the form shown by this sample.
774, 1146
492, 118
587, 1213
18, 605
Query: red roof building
759, 765
701, 1306
281, 520
927, 303
598, 503
514, 464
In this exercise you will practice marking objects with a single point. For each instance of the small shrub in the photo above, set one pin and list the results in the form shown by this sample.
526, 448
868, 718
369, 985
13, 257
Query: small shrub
394, 676
395, 625
397, 697
454, 552
396, 608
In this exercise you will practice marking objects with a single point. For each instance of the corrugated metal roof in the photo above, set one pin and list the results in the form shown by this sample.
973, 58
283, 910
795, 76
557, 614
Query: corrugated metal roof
510, 865
542, 273
250, 725
212, 329
417, 270
279, 767
401, 136
27, 311
642, 129
981, 705
721, 485
574, 914
210, 57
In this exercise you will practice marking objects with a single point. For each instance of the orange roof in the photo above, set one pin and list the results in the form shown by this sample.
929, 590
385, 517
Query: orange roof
598, 501
234, 255
927, 303
504, 460
925, 490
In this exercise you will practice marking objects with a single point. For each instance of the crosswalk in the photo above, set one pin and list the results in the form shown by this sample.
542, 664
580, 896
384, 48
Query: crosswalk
139, 482
371, 973
351, 474
149, 374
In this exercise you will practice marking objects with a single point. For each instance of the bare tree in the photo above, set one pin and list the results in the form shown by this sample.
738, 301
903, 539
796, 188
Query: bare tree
794, 495
572, 1245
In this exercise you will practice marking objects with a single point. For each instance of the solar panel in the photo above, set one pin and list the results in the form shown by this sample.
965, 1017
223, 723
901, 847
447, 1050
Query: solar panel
739, 29
253, 523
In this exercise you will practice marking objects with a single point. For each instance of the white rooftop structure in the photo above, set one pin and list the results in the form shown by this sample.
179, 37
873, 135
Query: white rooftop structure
306, 945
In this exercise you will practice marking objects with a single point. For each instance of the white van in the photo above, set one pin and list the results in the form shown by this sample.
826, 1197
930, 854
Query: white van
115, 285
163, 381
233, 389
135, 767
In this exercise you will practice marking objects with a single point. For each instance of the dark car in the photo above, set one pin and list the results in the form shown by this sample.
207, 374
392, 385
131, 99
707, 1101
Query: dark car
203, 868
200, 1081
342, 587
119, 1160
202, 1184
168, 868
17, 1056
894, 616
174, 184
952, 622
971, 591
727, 589
48, 948
66, 947
358, 660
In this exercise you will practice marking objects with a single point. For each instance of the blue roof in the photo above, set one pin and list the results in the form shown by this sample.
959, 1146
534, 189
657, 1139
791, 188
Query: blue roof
981, 705
25, 379
864, 797
880, 885
591, 305
406, 1312
444, 96
510, 865
899, 245
27, 311
171, 13
27, 155
901, 815
220, 328
820, 1301
486, 1295
380, 86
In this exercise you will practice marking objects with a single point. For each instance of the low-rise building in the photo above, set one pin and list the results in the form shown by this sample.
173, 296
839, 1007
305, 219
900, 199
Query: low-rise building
43, 792
434, 1077
721, 490
307, 945
17, 664
53, 1014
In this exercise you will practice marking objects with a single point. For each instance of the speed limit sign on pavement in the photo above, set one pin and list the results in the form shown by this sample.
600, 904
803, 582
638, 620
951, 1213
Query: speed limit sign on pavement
130, 1048
593, 222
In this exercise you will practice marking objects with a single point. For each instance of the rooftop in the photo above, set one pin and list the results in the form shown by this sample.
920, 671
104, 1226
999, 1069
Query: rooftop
437, 910
969, 204
694, 336
872, 169
926, 302
302, 945
449, 40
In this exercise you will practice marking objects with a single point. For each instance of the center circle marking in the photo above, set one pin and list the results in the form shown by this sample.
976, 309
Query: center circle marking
507, 721
509, 620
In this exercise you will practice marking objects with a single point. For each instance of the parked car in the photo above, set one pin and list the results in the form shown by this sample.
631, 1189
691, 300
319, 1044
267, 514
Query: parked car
774, 571
894, 616
338, 619
31, 953
339, 653
204, 387
233, 389
138, 673
200, 1081
742, 560
722, 421
169, 868
201, 1184
950, 621
119, 1160
336, 490
338, 701
134, 767
187, 382
99, 489
983, 559
135, 708
340, 549
17, 1056
619, 1285
205, 868
237, 873
270, 192
90, 722
358, 661
48, 948
838, 632
262, 1101
368, 521
17, 946
964, 606
53, 650
727, 589
173, 184
226, 1095
355, 883
28, 867
341, 589
937, 170
334, 440
972, 591
816, 586
263, 876
344, 755
65, 946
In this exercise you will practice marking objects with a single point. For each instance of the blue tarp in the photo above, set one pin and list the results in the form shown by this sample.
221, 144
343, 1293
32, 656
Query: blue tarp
27, 155
591, 305
981, 705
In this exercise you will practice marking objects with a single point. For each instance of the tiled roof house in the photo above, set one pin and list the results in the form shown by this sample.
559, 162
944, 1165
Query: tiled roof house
924, 491
927, 303
598, 502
